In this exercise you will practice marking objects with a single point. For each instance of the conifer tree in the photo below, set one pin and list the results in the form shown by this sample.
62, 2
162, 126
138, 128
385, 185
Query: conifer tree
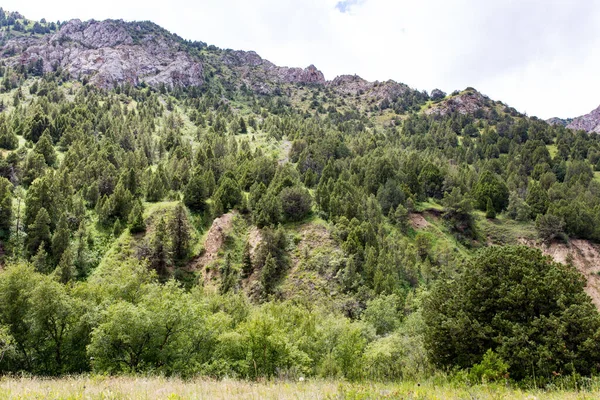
179, 230
45, 147
136, 218
60, 239
194, 194
159, 257
39, 232
66, 270
247, 267
5, 208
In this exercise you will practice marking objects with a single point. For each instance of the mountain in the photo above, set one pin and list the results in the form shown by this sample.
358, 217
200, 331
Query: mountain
589, 122
169, 207
114, 52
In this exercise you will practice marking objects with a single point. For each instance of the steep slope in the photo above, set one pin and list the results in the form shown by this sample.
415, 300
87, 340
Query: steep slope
115, 52
588, 122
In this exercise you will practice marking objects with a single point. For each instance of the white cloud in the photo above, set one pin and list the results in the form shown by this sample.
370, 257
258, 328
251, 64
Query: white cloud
538, 56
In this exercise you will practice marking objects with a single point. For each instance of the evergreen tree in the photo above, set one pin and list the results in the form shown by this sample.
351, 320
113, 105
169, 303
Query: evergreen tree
247, 267
136, 218
156, 189
66, 270
40, 260
39, 232
159, 257
537, 198
228, 276
6, 211
117, 228
61, 238
268, 274
179, 230
194, 194
45, 147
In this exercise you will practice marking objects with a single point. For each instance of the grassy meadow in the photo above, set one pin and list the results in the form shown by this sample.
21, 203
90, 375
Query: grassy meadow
121, 388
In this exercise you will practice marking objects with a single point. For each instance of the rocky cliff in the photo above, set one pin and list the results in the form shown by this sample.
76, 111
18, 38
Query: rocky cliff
115, 52
588, 122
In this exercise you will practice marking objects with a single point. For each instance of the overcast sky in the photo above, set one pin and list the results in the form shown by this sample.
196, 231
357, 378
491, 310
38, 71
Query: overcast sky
539, 56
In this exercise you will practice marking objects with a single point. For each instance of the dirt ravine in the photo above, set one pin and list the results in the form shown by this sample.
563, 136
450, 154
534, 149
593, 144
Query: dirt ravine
584, 255
214, 241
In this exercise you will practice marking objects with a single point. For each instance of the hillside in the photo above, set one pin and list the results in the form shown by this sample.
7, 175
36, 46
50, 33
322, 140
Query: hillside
169, 207
588, 122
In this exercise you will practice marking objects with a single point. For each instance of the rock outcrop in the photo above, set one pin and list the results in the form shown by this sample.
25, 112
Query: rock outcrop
114, 52
588, 122
466, 102
108, 53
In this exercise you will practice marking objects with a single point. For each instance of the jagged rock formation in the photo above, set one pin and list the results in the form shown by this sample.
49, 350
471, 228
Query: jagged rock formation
588, 122
110, 52
466, 102
116, 52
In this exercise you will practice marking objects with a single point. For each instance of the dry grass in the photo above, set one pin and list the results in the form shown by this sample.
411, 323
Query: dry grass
120, 388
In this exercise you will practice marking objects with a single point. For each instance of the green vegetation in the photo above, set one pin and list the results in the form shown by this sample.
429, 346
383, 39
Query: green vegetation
222, 233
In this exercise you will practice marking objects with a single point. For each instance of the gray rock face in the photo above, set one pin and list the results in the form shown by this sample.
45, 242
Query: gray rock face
116, 52
107, 53
355, 85
589, 122
263, 76
467, 102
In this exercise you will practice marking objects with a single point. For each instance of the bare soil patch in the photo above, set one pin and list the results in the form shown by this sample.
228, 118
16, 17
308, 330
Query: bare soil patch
418, 221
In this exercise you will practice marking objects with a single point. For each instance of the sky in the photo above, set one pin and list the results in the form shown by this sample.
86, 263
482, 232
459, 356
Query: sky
538, 56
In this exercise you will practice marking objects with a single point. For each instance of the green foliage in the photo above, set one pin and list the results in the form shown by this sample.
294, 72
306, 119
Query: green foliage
491, 187
549, 227
136, 218
296, 203
39, 232
490, 211
383, 313
6, 209
228, 194
513, 300
537, 198
491, 369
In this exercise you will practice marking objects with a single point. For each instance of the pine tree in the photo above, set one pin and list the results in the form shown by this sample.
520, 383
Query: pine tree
40, 260
66, 270
156, 190
194, 194
268, 274
228, 276
39, 232
247, 267
60, 239
136, 218
243, 128
117, 228
180, 232
45, 147
5, 208
159, 257
80, 259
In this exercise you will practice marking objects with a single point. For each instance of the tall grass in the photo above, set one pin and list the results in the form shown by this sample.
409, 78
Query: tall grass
121, 388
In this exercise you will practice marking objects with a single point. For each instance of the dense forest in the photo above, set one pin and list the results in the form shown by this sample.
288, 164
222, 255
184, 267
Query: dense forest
356, 238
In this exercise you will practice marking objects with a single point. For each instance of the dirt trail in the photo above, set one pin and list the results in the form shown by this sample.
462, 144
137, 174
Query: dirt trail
214, 241
584, 255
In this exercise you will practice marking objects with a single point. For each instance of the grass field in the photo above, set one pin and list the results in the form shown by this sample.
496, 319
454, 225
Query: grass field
160, 388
